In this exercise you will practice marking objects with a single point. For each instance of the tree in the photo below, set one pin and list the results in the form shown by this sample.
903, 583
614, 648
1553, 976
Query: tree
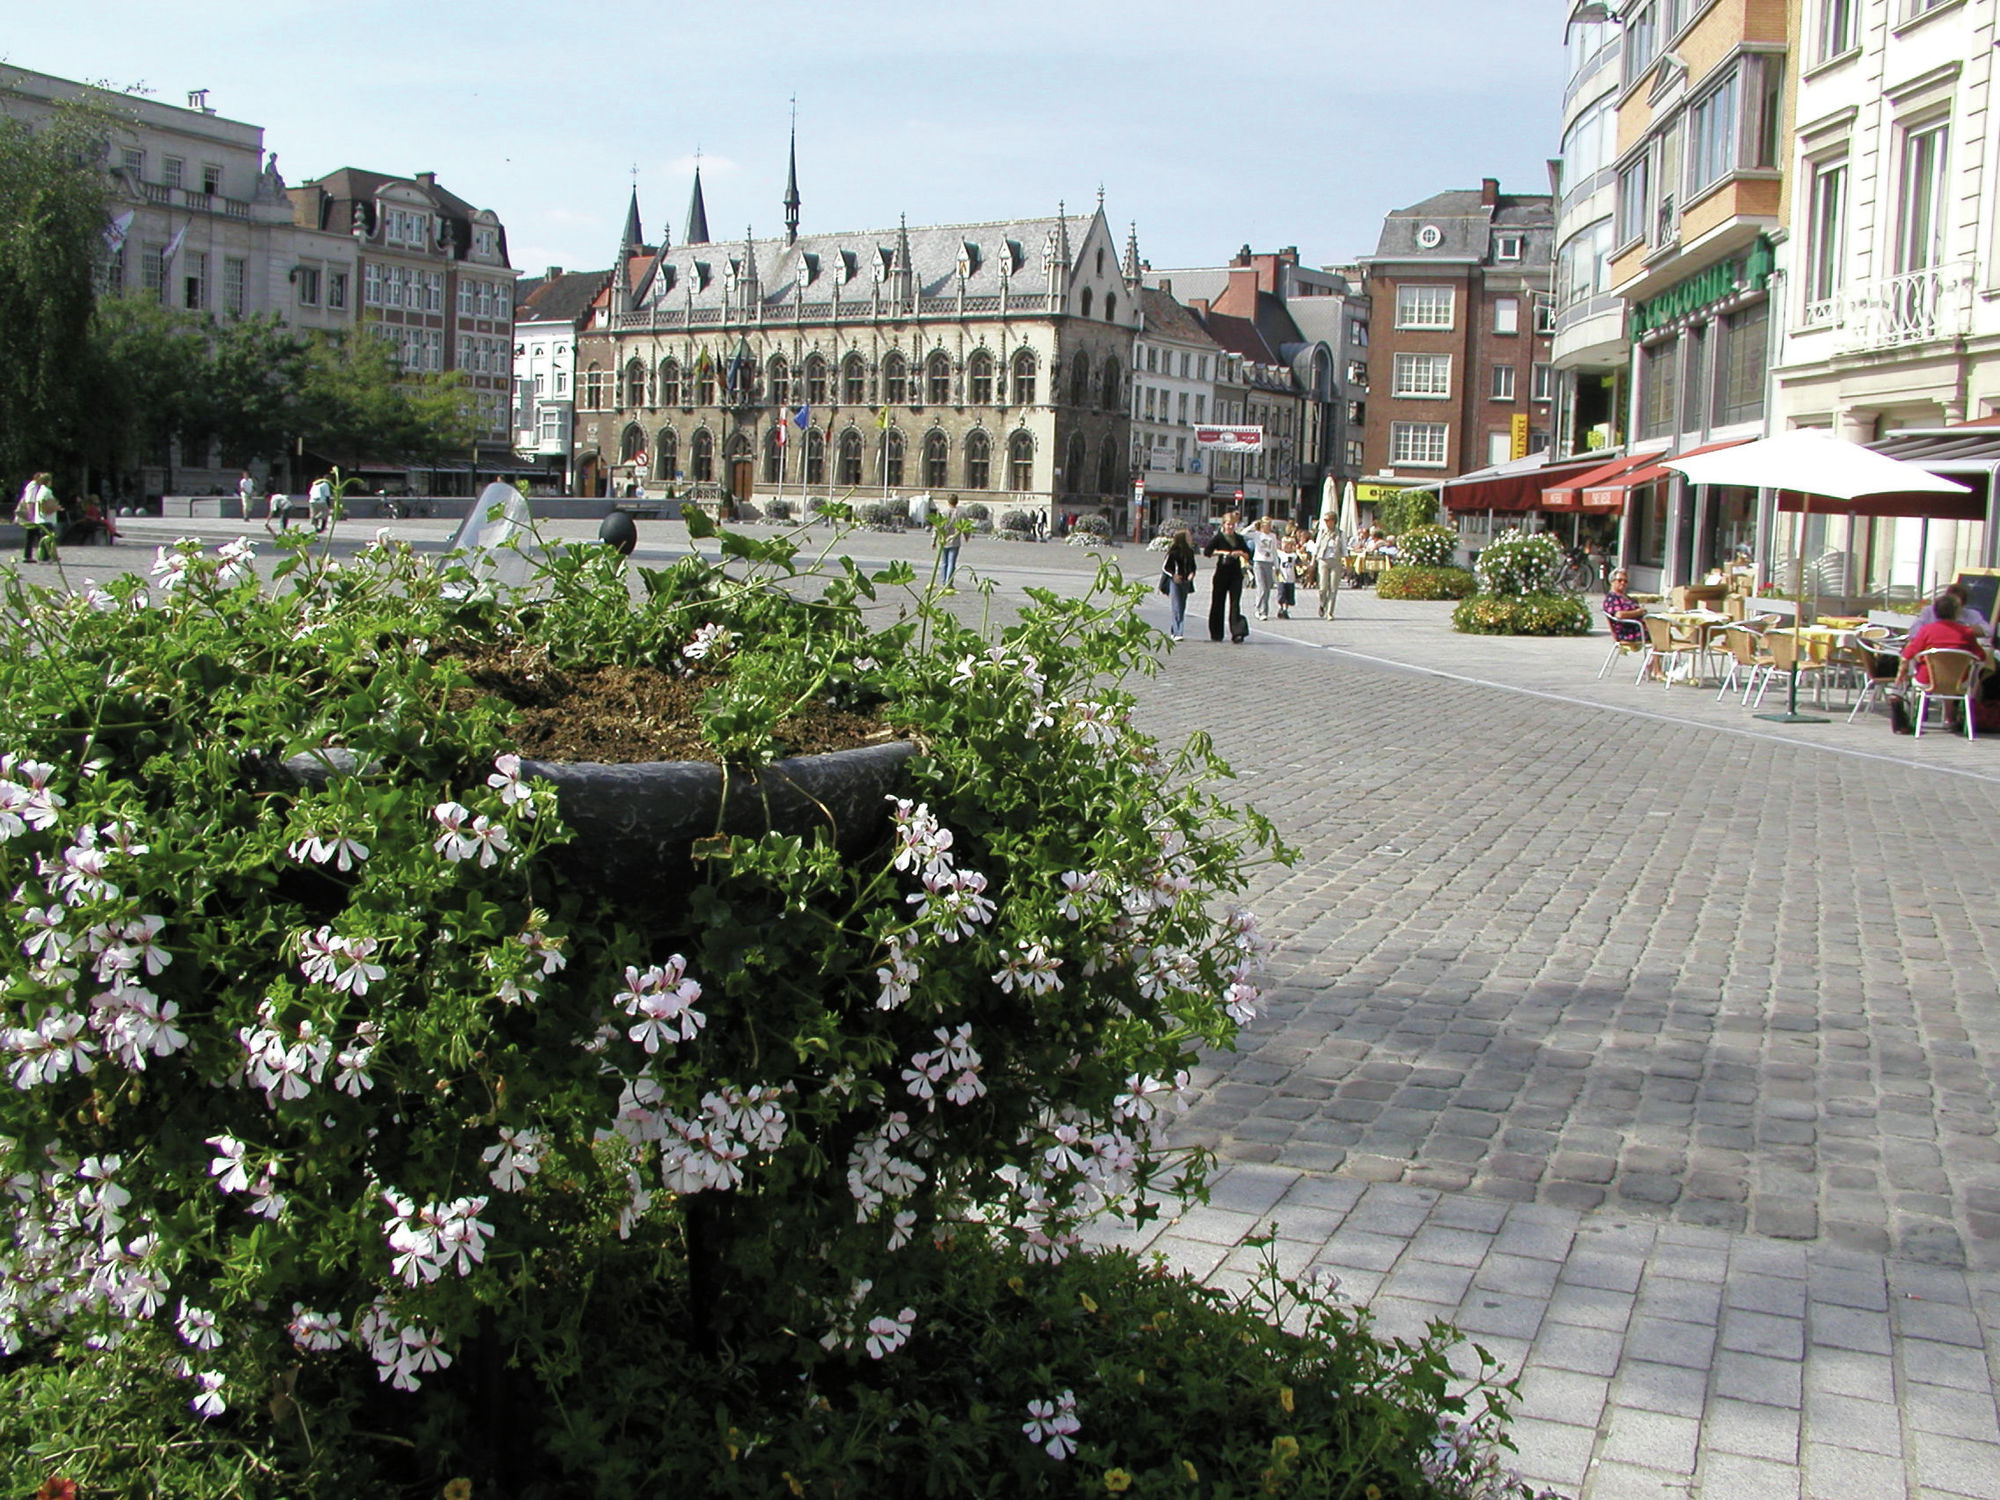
256, 387
151, 370
53, 197
357, 400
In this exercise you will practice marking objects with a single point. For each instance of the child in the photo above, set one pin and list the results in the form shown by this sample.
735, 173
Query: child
1288, 575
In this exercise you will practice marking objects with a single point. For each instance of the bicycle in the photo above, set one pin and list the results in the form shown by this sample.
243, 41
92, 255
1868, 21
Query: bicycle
1579, 573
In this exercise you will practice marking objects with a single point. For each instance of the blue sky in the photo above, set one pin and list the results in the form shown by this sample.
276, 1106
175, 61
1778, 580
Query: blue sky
1210, 125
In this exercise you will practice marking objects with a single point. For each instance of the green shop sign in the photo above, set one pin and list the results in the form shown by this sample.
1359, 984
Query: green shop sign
1718, 283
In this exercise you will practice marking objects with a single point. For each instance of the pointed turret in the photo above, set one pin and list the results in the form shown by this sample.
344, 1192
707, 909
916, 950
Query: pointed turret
1133, 268
792, 192
635, 237
750, 291
1059, 258
905, 279
697, 224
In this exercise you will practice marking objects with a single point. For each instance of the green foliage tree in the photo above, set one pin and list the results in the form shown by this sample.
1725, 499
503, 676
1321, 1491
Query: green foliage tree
150, 370
256, 387
355, 398
1405, 510
52, 218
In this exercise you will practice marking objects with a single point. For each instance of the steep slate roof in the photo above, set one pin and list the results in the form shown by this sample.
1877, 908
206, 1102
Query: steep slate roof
1166, 318
337, 194
558, 299
1466, 223
812, 266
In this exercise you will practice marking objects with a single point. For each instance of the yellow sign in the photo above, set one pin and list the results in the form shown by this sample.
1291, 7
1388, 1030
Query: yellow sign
1368, 494
1518, 428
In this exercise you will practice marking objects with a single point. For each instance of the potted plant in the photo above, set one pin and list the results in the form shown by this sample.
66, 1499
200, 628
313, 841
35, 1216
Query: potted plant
372, 1121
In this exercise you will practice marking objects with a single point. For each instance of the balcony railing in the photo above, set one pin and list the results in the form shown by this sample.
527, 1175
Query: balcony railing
1918, 307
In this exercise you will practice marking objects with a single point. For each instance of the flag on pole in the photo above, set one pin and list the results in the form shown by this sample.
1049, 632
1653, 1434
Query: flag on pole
173, 245
802, 418
116, 230
882, 420
783, 422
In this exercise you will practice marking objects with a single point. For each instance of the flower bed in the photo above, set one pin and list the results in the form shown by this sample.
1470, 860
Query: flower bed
357, 1141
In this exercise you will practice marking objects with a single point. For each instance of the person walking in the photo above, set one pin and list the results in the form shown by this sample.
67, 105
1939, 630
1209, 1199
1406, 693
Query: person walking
1288, 575
38, 514
1329, 553
950, 537
1264, 557
246, 493
1179, 573
1231, 551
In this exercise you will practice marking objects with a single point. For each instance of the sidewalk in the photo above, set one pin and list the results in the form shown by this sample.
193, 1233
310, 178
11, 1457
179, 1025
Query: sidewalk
1651, 1044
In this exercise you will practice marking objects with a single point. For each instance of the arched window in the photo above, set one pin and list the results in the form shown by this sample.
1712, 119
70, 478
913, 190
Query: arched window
701, 456
850, 458
1111, 307
1100, 265
854, 380
1086, 302
937, 379
593, 388
1109, 480
1112, 388
666, 454
631, 443
816, 455
1021, 461
892, 459
1079, 380
816, 390
895, 382
739, 447
1074, 477
704, 383
670, 382
1024, 378
635, 385
937, 455
978, 460
774, 455
979, 378
781, 382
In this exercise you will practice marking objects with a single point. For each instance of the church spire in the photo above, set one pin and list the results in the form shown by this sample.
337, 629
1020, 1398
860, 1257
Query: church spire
697, 224
792, 183
634, 238
1133, 267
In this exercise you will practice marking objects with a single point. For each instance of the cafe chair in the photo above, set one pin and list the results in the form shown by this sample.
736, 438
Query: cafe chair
1747, 658
1664, 648
1879, 665
1621, 648
1954, 678
1790, 658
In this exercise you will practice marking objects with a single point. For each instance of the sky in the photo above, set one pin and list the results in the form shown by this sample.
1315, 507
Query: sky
1209, 126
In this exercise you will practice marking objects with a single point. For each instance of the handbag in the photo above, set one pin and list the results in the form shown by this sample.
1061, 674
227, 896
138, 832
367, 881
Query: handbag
1166, 582
1900, 721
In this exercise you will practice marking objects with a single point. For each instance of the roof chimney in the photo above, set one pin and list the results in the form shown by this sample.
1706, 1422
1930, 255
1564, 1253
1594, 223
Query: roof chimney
1242, 257
554, 272
1489, 192
428, 179
1166, 287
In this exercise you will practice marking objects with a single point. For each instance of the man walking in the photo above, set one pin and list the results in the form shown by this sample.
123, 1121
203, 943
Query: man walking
950, 538
38, 514
246, 493
1330, 553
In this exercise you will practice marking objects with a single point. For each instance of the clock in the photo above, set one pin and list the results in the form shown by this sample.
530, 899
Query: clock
1429, 237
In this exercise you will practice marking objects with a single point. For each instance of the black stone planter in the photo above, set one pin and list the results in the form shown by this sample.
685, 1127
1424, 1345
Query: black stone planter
635, 826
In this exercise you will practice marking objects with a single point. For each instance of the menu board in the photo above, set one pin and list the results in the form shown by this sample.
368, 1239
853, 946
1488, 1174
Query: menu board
1982, 589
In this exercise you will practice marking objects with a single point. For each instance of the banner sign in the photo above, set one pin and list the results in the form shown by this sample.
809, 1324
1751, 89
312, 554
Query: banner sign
1230, 439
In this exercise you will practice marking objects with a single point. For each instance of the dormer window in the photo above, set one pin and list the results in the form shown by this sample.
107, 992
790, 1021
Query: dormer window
1507, 247
968, 260
809, 264
485, 243
404, 226
850, 266
1014, 257
702, 275
885, 262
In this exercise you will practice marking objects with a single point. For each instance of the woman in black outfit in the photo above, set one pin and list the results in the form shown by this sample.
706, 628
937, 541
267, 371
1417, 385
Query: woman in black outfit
1231, 551
1179, 570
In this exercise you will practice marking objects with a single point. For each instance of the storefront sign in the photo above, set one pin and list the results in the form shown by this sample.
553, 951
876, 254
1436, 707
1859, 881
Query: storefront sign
1719, 283
1230, 439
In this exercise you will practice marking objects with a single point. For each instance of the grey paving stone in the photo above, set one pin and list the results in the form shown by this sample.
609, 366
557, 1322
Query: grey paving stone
1873, 1426
1676, 1390
1836, 1472
1752, 1429
1731, 1476
1754, 1377
1649, 1440
1957, 1466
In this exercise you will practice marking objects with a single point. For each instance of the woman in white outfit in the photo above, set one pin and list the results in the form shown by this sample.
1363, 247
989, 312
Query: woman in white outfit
1264, 558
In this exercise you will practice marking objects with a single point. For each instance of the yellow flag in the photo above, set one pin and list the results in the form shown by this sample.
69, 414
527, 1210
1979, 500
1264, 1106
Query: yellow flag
883, 421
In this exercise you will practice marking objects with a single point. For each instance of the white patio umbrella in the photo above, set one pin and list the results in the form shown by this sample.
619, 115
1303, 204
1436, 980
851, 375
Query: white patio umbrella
1814, 464
1329, 498
1350, 513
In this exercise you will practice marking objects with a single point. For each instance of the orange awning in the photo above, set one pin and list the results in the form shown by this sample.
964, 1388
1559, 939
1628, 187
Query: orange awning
1610, 494
1569, 494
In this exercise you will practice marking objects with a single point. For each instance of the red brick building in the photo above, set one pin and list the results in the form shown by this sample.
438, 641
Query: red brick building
1460, 374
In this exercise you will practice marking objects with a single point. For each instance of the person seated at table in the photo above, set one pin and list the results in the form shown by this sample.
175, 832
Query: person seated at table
1622, 611
1967, 615
1947, 630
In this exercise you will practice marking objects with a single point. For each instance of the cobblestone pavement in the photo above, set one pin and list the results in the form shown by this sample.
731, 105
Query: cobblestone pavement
1654, 1045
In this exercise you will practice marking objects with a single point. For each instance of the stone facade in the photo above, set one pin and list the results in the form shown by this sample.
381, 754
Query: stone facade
990, 360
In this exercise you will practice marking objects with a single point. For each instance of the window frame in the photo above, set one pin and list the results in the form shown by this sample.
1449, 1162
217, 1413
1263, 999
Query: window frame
1421, 376
1436, 438
1500, 383
1506, 317
978, 459
1409, 294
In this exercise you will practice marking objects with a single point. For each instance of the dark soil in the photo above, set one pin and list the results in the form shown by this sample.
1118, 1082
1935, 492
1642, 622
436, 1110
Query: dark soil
624, 715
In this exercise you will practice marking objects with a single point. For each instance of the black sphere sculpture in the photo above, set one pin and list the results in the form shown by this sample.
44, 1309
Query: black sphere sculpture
620, 532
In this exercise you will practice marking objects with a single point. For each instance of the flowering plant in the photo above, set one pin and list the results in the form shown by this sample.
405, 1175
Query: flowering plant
1518, 563
340, 1084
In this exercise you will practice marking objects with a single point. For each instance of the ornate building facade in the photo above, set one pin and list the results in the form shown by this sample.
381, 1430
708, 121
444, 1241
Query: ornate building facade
990, 360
